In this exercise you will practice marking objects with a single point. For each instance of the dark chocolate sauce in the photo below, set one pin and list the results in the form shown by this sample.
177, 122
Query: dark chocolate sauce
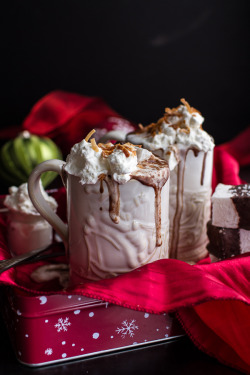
101, 185
195, 151
152, 172
156, 174
179, 196
203, 167
114, 199
179, 205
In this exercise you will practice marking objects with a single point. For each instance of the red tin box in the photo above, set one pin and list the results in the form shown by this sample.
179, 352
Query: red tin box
51, 329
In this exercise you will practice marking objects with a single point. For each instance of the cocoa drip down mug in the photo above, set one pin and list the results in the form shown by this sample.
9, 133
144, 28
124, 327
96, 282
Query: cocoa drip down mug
117, 208
179, 139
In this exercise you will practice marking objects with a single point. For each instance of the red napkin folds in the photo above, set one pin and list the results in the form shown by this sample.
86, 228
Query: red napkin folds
68, 117
211, 300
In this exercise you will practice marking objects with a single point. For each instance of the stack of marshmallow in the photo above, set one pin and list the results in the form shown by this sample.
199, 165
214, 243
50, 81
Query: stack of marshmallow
229, 229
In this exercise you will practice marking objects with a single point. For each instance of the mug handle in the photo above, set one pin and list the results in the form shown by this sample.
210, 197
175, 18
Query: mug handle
38, 200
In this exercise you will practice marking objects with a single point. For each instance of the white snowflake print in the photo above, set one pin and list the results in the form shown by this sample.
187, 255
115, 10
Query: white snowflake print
127, 328
48, 351
62, 324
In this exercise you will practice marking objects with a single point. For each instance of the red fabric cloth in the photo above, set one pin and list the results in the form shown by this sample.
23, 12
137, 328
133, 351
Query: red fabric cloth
211, 300
225, 169
239, 147
229, 157
68, 117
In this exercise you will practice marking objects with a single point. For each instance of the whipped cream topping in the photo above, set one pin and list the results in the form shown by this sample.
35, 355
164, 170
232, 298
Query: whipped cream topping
89, 161
180, 126
19, 200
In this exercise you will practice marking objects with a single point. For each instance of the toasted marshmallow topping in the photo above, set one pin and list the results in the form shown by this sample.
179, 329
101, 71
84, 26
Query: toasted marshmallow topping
88, 161
19, 200
180, 126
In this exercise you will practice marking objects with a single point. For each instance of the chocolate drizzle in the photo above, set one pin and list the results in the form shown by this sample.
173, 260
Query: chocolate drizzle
152, 172
101, 183
203, 167
156, 174
114, 199
196, 153
179, 207
179, 196
241, 200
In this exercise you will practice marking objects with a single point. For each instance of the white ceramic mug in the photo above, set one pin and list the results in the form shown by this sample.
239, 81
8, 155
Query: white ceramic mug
189, 200
27, 232
98, 244
190, 205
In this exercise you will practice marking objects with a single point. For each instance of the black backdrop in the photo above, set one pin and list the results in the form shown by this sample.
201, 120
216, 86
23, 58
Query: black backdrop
139, 55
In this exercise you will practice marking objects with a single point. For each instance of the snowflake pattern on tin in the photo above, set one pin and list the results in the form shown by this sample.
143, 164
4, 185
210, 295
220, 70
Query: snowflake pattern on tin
48, 351
62, 324
127, 328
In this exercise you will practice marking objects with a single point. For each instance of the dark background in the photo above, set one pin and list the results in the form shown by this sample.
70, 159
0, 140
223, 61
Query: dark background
139, 55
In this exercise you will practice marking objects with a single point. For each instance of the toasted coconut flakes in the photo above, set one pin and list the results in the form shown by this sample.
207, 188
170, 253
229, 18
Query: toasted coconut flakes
94, 145
126, 148
89, 135
190, 109
185, 130
186, 104
107, 148
172, 112
156, 128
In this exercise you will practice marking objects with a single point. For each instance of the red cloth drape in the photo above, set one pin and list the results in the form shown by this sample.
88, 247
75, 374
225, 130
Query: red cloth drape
211, 300
68, 117
229, 157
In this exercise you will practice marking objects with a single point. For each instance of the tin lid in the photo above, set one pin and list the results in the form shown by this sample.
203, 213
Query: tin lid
29, 305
